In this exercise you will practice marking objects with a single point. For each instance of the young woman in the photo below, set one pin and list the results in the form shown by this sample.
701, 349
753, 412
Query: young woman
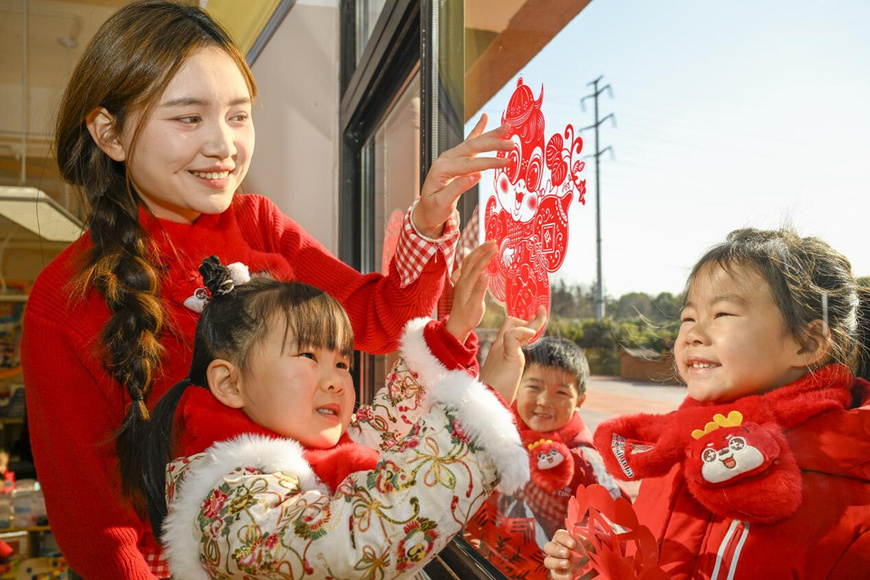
156, 129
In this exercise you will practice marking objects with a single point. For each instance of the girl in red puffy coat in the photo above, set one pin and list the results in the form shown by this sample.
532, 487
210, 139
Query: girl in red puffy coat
764, 471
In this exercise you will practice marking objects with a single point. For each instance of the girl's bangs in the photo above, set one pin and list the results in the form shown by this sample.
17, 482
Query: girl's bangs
320, 322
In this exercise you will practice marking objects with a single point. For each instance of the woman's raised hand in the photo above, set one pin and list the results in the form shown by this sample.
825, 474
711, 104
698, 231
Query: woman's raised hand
455, 172
505, 361
469, 291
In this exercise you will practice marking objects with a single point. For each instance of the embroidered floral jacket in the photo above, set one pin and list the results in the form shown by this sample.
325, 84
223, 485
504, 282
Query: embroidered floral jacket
254, 507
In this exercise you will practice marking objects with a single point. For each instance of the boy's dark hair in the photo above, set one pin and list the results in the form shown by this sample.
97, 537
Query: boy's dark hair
233, 322
560, 353
808, 281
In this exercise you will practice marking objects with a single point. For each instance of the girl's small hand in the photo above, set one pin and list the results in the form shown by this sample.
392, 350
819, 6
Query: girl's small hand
470, 283
559, 560
505, 361
455, 172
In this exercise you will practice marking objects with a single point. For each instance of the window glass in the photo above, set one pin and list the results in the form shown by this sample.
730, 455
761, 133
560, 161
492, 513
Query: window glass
367, 13
711, 117
391, 182
751, 114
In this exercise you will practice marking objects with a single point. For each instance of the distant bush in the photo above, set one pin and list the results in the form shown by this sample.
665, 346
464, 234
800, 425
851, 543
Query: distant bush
634, 321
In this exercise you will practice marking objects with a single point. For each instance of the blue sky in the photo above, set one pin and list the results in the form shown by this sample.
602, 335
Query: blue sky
729, 114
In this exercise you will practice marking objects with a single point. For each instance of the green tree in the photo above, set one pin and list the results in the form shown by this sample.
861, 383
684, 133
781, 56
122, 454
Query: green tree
633, 305
666, 307
563, 300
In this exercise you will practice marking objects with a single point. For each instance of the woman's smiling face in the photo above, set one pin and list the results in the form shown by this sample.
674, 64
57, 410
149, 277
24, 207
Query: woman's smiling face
193, 151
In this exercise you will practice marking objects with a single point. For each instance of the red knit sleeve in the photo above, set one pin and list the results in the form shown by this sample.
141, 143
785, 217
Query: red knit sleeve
377, 305
71, 421
450, 352
455, 355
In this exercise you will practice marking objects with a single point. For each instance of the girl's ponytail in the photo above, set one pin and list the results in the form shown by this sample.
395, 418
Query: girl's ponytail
156, 446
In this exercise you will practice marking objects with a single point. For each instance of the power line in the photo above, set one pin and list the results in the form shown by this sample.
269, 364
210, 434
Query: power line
599, 284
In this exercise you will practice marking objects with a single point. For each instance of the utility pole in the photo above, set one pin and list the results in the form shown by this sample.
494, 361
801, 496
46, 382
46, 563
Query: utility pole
599, 284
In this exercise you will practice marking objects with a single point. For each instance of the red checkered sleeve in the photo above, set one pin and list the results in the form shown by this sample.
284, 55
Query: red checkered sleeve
414, 250
155, 560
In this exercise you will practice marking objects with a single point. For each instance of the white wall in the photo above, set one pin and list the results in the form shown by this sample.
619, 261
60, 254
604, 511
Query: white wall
296, 157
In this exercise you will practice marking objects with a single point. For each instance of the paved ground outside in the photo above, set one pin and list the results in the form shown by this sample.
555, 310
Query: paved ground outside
610, 396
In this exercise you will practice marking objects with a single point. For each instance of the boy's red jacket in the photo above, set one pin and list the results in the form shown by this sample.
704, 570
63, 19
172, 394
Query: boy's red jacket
827, 537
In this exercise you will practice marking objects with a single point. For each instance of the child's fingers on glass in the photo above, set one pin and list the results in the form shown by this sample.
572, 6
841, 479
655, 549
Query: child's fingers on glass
540, 319
478, 259
519, 337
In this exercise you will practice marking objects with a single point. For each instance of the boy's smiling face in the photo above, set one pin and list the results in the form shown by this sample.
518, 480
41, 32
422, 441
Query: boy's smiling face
548, 397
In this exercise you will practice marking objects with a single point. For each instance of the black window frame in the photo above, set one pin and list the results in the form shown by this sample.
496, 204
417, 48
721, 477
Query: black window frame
407, 36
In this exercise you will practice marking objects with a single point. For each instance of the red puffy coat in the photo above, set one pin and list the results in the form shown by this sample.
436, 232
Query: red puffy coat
828, 536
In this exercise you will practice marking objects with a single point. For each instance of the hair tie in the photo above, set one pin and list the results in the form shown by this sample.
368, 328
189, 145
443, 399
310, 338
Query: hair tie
220, 279
216, 276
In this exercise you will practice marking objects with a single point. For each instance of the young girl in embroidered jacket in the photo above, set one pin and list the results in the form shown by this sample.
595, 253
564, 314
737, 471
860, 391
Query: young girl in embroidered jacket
156, 130
763, 472
266, 481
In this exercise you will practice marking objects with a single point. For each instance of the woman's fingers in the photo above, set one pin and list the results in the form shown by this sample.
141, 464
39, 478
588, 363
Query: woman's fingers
480, 125
495, 140
456, 171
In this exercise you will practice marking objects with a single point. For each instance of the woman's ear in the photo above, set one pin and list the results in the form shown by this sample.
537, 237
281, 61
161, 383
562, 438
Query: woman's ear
101, 126
223, 382
816, 344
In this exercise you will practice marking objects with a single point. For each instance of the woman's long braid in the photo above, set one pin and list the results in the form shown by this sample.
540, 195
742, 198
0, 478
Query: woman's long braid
121, 74
124, 276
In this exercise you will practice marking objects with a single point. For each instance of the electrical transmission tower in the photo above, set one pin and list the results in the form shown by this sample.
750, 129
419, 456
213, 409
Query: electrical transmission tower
599, 283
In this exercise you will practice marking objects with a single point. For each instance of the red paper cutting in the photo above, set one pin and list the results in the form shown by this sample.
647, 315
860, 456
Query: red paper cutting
528, 215
608, 535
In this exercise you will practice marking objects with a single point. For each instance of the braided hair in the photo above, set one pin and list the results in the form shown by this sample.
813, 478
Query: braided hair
125, 69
